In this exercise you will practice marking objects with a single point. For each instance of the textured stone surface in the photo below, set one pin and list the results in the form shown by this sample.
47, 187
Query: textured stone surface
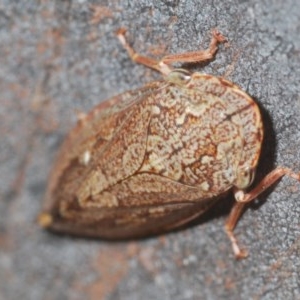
61, 56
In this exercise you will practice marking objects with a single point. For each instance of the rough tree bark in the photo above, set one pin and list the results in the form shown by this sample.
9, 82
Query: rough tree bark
61, 56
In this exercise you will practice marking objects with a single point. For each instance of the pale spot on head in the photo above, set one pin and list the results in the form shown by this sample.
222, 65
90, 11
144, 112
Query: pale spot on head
229, 174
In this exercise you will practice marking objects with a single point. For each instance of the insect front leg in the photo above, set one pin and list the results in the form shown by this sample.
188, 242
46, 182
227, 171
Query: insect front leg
164, 65
243, 198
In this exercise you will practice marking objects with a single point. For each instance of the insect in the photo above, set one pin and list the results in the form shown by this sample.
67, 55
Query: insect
149, 160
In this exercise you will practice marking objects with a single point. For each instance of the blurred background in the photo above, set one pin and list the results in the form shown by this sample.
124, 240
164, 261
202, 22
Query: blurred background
59, 57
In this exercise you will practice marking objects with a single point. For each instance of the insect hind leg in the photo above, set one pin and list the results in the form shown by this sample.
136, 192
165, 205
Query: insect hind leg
243, 198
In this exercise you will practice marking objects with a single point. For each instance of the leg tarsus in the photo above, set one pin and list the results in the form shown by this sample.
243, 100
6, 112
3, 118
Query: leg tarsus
234, 216
238, 252
136, 57
197, 56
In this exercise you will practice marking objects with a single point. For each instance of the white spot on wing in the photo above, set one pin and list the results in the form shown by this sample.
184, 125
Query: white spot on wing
85, 158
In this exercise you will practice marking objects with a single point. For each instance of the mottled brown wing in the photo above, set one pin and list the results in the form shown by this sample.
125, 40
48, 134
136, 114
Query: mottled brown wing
111, 196
90, 134
166, 212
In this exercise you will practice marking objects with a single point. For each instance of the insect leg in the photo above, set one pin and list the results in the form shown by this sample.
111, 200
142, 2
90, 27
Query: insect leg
163, 65
243, 198
140, 59
197, 56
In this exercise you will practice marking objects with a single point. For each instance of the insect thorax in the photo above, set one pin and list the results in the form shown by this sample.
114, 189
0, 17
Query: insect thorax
204, 134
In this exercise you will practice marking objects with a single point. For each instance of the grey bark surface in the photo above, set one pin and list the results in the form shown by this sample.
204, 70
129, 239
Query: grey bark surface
61, 56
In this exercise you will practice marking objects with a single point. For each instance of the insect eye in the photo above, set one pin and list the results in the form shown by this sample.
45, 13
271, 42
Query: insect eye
179, 76
245, 173
245, 177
